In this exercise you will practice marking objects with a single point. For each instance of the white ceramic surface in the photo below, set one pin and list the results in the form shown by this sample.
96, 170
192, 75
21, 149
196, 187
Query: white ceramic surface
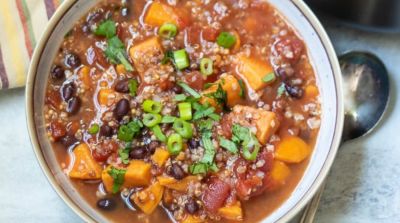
322, 57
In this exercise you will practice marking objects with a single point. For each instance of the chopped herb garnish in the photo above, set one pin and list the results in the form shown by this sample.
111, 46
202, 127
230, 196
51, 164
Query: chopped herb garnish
115, 52
220, 96
242, 92
214, 117
124, 154
207, 85
94, 129
228, 145
189, 90
269, 78
168, 56
180, 97
205, 125
118, 176
198, 168
130, 130
281, 90
248, 141
107, 29
133, 86
209, 150
203, 112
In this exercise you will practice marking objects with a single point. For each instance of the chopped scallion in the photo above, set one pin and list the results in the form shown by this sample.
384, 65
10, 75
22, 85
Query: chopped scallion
151, 120
152, 106
228, 145
94, 129
132, 85
185, 110
168, 31
174, 144
189, 90
181, 59
168, 119
158, 133
180, 97
206, 66
183, 128
226, 40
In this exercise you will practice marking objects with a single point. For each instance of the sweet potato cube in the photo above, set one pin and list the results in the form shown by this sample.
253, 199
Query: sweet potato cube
106, 97
230, 84
159, 13
160, 156
141, 52
232, 212
280, 172
192, 219
108, 181
137, 174
253, 71
178, 185
292, 149
266, 122
84, 166
148, 199
84, 76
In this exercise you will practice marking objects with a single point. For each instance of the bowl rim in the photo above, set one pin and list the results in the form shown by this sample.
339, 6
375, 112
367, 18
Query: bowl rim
336, 139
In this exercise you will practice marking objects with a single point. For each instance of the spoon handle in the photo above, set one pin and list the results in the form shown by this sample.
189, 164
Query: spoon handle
312, 207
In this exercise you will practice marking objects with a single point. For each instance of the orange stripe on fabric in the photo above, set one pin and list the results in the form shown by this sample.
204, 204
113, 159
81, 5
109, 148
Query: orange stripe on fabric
24, 21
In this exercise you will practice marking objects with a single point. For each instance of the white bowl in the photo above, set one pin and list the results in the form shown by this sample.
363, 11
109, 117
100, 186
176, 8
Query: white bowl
323, 59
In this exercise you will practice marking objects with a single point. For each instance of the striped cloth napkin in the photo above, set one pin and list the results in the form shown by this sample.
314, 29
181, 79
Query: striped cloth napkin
22, 23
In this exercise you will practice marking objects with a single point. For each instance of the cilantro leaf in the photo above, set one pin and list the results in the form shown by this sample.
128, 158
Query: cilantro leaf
248, 141
228, 145
220, 96
242, 91
133, 86
209, 150
124, 153
107, 28
115, 52
118, 176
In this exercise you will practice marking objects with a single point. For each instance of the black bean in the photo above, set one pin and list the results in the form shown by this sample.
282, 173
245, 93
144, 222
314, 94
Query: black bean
177, 89
152, 146
124, 11
193, 143
138, 152
68, 140
68, 91
121, 109
176, 171
73, 106
107, 204
191, 206
106, 131
72, 60
57, 72
294, 91
122, 86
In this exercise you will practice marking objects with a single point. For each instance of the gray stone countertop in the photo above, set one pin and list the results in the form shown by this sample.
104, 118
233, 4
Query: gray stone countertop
363, 185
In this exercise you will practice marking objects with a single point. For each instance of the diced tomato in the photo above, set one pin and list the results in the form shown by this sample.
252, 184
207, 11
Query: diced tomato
249, 184
166, 85
193, 35
195, 80
183, 18
53, 99
57, 130
104, 150
215, 195
209, 34
226, 125
290, 49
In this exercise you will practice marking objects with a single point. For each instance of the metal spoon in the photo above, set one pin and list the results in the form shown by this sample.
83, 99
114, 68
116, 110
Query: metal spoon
366, 93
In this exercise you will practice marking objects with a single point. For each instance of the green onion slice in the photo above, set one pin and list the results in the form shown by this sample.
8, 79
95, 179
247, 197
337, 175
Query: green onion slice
185, 110
151, 106
168, 30
206, 66
189, 90
94, 129
133, 86
168, 119
226, 40
180, 97
174, 144
151, 120
183, 128
158, 133
269, 78
181, 59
